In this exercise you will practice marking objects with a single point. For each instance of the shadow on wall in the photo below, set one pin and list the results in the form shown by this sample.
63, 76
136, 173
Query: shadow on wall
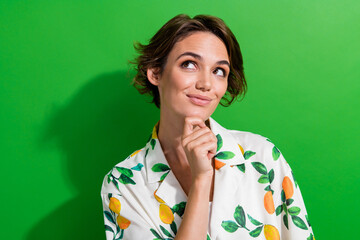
101, 125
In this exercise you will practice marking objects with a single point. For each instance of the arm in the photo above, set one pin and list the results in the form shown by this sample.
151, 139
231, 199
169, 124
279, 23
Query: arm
290, 206
200, 147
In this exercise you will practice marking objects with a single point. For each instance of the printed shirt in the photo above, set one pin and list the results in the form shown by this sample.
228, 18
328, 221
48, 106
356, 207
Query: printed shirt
255, 193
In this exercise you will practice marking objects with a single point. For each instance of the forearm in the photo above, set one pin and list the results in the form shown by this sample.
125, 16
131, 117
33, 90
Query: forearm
195, 219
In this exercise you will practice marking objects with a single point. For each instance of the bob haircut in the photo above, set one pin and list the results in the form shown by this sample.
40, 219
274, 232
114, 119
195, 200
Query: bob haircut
154, 55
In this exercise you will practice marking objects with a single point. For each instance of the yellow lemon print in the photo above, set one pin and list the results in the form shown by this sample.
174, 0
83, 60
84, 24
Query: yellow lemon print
271, 233
134, 153
269, 202
288, 187
241, 149
157, 198
123, 222
115, 205
218, 164
166, 215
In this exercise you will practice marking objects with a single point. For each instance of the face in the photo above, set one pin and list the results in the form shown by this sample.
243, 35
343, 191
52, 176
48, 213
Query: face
194, 78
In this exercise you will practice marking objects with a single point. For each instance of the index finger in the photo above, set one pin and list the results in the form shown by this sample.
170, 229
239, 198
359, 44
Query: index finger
191, 123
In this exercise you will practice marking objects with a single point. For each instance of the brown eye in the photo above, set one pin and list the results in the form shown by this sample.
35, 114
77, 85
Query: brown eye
220, 72
188, 64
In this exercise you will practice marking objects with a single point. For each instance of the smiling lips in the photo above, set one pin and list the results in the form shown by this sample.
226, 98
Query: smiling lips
199, 99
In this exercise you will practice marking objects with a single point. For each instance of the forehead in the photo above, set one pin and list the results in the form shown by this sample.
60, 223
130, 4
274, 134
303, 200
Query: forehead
205, 44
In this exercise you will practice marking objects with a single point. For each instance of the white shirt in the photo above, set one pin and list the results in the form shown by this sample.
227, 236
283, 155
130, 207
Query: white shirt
255, 193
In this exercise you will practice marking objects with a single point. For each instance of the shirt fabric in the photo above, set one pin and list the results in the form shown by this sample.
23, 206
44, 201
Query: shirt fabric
255, 193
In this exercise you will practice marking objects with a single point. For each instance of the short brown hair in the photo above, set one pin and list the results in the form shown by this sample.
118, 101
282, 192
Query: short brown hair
154, 55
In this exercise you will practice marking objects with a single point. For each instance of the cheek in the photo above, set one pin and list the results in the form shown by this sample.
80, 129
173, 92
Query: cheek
222, 87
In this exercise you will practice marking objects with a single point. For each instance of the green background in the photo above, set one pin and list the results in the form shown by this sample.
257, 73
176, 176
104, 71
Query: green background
68, 113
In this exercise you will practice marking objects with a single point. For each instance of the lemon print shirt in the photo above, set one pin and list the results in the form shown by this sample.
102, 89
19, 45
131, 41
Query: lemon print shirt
255, 193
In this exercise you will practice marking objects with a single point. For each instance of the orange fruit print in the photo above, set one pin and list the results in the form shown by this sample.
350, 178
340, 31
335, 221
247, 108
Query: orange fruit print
269, 202
288, 187
123, 222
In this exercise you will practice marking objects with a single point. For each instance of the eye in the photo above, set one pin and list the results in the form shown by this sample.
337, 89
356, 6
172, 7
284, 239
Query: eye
220, 72
188, 64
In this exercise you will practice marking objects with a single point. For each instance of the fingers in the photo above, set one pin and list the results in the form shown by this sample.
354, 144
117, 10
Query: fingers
198, 137
191, 123
196, 134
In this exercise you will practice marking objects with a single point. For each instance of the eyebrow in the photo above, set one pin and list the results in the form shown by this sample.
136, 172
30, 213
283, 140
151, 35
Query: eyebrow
197, 56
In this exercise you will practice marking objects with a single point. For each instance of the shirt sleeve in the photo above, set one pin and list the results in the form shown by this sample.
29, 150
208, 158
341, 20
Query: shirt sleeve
122, 221
290, 207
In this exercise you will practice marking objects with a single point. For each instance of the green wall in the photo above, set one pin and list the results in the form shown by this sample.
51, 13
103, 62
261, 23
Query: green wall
68, 112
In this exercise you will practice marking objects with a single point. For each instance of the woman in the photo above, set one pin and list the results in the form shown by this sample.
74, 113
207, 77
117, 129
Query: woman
195, 179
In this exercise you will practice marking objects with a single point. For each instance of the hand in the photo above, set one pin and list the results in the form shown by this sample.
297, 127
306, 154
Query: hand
200, 145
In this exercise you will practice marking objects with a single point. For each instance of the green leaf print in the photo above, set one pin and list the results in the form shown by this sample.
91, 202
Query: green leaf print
219, 142
109, 195
166, 232
239, 216
248, 154
160, 167
155, 233
108, 228
108, 178
115, 183
285, 208
275, 153
126, 180
225, 155
147, 151
289, 201
152, 143
259, 167
164, 176
179, 208
254, 221
286, 223
268, 188
109, 217
299, 222
294, 211
271, 175
173, 227
241, 167
125, 171
229, 226
121, 235
283, 199
256, 232
279, 210
263, 179
311, 237
137, 167
208, 237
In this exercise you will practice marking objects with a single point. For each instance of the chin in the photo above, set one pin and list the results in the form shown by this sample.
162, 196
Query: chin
201, 114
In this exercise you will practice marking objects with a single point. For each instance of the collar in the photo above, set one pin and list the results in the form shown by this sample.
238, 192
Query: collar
228, 153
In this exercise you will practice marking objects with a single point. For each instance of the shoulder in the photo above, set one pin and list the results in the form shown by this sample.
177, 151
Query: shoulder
255, 143
260, 150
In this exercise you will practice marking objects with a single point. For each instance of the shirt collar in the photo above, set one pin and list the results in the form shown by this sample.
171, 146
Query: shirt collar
229, 152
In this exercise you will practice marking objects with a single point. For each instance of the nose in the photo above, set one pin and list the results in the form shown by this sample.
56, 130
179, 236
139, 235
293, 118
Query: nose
204, 82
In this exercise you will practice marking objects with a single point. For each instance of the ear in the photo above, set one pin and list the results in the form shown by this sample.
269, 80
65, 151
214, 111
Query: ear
153, 75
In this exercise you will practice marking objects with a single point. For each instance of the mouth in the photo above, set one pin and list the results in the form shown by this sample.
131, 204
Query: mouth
199, 99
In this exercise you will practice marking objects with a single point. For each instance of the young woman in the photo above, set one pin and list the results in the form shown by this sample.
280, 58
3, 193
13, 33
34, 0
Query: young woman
195, 179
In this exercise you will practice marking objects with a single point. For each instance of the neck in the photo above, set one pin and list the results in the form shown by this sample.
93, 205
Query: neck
170, 132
